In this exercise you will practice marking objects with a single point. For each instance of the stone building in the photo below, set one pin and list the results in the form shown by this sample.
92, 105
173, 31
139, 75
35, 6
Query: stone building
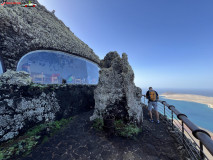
36, 41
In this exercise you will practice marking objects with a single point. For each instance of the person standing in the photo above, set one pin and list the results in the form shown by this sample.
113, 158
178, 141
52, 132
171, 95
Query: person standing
153, 97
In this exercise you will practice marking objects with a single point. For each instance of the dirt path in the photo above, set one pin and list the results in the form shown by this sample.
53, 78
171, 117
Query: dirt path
80, 141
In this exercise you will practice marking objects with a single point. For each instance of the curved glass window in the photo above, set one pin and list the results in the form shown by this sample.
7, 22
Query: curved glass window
1, 68
51, 67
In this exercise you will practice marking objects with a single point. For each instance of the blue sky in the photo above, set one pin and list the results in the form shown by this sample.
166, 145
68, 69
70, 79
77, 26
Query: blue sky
169, 42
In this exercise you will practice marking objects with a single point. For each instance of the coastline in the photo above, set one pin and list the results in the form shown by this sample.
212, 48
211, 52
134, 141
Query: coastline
190, 98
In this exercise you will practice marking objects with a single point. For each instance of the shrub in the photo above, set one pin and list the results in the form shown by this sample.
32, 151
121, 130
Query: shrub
126, 130
98, 124
23, 145
121, 129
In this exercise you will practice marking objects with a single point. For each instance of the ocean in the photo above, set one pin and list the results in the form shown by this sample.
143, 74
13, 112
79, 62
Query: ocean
199, 114
202, 92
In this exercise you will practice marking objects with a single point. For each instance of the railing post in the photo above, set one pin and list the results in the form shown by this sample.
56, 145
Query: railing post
144, 99
203, 136
201, 150
164, 110
172, 122
183, 131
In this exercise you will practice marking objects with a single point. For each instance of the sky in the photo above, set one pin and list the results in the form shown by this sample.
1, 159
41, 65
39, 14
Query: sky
169, 42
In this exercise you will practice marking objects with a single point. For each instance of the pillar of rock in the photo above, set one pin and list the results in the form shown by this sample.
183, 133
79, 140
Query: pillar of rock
116, 93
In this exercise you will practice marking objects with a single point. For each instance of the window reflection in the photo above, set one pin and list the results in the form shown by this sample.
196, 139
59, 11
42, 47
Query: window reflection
1, 68
50, 67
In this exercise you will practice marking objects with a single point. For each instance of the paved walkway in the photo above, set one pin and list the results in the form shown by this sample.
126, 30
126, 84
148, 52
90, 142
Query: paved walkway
79, 141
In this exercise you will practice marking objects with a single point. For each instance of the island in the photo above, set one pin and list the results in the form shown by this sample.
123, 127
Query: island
190, 97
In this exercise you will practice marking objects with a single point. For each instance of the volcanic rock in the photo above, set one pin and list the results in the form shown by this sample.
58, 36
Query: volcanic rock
24, 106
18, 78
116, 93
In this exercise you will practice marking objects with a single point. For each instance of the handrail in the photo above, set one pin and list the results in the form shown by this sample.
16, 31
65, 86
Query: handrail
198, 133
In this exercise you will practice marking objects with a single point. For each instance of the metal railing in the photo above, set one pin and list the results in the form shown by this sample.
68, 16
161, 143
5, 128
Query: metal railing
196, 141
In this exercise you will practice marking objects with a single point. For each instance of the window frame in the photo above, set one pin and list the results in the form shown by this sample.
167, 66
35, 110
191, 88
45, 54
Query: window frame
63, 53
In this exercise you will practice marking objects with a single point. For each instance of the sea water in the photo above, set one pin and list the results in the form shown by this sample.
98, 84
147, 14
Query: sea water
202, 92
199, 114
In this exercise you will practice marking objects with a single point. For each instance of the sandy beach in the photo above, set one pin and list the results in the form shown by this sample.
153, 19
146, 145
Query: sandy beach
190, 97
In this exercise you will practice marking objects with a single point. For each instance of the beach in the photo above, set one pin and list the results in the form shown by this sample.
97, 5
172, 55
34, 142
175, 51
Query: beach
190, 98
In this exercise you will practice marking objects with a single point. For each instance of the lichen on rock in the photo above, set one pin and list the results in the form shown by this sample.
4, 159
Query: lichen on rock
25, 110
17, 78
24, 105
116, 93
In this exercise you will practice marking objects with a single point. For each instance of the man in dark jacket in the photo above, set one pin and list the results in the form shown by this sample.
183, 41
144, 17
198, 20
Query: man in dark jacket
153, 97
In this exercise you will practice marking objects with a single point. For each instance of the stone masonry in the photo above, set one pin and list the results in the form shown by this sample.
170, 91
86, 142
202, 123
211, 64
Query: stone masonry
24, 104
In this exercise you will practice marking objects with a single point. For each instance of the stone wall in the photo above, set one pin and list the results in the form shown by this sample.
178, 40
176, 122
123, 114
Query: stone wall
25, 29
22, 107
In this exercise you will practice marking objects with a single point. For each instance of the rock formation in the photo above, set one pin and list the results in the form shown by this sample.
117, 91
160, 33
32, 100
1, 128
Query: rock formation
116, 93
16, 78
24, 29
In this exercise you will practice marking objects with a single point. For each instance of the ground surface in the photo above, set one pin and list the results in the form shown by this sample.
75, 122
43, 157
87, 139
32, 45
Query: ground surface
81, 141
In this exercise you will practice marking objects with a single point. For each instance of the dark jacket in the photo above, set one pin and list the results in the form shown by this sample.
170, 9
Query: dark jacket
148, 96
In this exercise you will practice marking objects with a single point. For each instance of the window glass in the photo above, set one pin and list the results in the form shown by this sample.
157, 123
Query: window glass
1, 68
51, 67
93, 73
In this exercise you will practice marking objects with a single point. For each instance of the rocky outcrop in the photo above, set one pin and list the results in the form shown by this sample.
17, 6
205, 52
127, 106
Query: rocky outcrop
116, 93
24, 104
25, 29
17, 78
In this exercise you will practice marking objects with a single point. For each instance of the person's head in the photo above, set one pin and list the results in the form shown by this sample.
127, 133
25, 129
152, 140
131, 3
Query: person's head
150, 88
64, 81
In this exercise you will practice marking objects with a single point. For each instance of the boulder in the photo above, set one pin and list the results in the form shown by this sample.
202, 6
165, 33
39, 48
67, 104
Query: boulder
18, 78
116, 93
